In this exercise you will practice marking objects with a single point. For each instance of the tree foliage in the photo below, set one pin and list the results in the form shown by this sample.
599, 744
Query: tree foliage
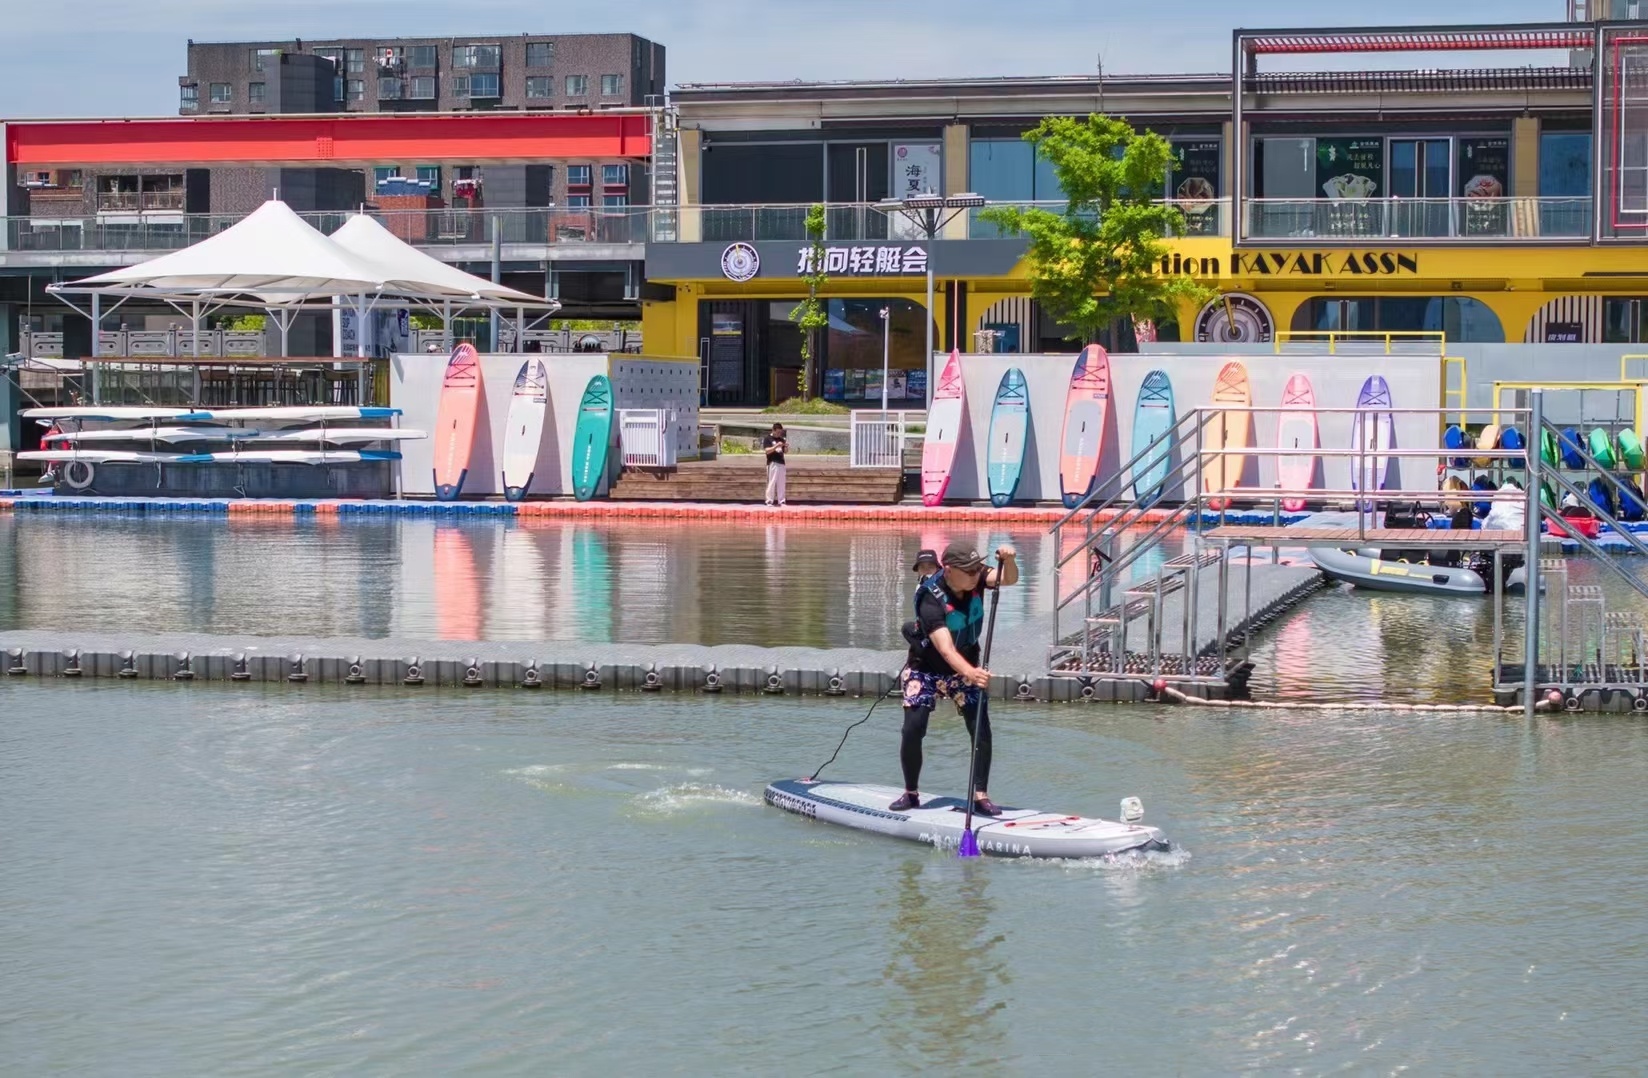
1101, 259
810, 316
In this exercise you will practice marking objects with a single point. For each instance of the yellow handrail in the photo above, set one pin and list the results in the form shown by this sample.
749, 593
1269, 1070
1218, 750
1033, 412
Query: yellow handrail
1334, 336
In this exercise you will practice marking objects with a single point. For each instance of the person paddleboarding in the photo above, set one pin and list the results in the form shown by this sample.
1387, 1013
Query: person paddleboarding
943, 662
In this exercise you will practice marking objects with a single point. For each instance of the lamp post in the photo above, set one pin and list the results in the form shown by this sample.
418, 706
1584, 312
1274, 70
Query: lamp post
930, 212
886, 350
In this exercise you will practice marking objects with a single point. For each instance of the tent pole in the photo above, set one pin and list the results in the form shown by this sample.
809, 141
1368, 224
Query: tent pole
446, 325
497, 275
194, 328
520, 329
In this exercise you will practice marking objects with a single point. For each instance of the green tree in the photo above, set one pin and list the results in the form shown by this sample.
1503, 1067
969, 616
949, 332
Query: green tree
1101, 259
810, 316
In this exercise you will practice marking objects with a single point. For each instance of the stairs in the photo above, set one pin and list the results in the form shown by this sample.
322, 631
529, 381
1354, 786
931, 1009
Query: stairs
734, 480
665, 193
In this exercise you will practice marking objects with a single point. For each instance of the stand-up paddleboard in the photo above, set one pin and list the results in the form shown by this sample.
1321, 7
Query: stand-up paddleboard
524, 429
1511, 438
1630, 450
1153, 419
455, 421
1488, 439
1371, 435
1227, 431
302, 413
1009, 433
938, 822
111, 413
1602, 448
1296, 429
1086, 410
1456, 438
592, 438
102, 456
150, 434
291, 456
336, 435
1568, 444
944, 419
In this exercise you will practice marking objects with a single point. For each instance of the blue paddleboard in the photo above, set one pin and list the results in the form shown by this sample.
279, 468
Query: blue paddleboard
1153, 419
1009, 433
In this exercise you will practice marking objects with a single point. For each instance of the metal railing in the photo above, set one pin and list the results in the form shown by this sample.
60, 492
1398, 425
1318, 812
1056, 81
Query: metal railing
646, 438
151, 342
1547, 218
876, 438
869, 221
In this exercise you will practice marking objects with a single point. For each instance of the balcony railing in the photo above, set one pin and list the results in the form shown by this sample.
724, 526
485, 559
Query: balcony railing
868, 221
422, 228
1466, 219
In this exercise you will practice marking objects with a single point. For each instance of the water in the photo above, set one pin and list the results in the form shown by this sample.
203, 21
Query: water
238, 880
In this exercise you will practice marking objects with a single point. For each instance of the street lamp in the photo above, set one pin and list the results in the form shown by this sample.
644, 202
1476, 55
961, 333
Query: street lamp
886, 349
930, 213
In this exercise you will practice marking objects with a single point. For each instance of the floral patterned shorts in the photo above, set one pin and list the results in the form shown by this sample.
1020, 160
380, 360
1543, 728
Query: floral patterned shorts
924, 690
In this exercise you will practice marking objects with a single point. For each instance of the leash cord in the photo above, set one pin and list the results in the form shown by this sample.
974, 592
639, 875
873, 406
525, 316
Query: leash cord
845, 733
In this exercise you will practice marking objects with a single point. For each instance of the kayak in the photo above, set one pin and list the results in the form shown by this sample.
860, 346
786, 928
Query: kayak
940, 822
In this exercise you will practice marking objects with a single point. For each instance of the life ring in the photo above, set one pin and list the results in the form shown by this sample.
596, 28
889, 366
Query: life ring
72, 478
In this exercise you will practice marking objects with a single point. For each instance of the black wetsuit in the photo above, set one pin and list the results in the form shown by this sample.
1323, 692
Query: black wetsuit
931, 678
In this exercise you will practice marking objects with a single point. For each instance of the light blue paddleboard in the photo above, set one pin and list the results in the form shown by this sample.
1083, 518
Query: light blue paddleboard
1009, 433
1153, 419
591, 438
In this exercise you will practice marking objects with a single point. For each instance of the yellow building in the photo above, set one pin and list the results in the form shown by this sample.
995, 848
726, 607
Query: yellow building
1476, 201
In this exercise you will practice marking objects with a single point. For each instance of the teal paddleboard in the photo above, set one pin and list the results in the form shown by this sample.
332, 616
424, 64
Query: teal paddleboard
1153, 421
1009, 433
591, 438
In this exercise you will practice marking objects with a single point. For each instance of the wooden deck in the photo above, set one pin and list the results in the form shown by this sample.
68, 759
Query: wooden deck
743, 478
1430, 538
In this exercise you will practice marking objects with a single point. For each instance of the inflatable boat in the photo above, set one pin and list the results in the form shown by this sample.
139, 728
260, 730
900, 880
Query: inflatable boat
1361, 568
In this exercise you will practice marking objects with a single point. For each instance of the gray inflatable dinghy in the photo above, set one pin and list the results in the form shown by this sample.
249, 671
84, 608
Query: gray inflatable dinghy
1365, 571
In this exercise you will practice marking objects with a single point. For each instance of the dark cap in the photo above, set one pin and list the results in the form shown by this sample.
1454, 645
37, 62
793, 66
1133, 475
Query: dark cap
962, 556
778, 426
924, 554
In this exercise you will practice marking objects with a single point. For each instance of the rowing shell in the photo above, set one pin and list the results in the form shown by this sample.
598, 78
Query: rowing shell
940, 821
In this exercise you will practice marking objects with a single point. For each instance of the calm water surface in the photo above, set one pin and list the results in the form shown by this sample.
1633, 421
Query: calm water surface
215, 880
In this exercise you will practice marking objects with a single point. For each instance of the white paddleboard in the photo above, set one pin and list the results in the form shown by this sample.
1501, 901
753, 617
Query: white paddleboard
291, 456
100, 456
151, 434
940, 822
302, 413
524, 428
339, 435
112, 413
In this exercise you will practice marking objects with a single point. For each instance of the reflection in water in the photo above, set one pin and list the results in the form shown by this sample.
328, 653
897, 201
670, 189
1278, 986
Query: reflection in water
458, 585
944, 966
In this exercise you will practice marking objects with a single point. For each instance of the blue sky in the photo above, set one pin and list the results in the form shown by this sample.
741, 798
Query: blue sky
122, 57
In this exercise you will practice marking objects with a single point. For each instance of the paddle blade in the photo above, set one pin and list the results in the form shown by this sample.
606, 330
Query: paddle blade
969, 845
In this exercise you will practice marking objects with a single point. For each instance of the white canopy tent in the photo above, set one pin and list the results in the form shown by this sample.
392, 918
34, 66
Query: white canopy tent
275, 261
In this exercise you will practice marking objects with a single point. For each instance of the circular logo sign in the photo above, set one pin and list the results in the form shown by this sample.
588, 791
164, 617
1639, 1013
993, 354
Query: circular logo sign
739, 262
1235, 318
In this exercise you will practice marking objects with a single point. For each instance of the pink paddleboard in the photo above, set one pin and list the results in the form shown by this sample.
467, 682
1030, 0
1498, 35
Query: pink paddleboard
1086, 411
1296, 429
454, 432
944, 419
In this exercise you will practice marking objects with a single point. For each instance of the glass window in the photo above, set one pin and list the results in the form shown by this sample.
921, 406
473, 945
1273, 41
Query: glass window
354, 90
387, 54
354, 60
262, 56
423, 88
1565, 164
577, 85
389, 89
430, 174
615, 175
578, 202
1002, 170
1048, 188
188, 96
852, 347
382, 173
475, 56
615, 200
540, 86
483, 85
612, 85
337, 88
254, 92
334, 55
421, 56
577, 175
222, 93
540, 54
1461, 318
1623, 320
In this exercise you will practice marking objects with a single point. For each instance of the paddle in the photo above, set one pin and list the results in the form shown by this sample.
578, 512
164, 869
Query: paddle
969, 844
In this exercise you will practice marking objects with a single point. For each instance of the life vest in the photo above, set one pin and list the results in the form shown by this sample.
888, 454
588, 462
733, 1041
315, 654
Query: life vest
965, 621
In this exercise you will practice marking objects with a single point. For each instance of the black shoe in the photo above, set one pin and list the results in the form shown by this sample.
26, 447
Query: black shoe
906, 803
983, 806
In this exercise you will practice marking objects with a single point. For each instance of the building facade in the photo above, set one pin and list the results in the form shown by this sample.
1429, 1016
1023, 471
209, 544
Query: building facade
1487, 203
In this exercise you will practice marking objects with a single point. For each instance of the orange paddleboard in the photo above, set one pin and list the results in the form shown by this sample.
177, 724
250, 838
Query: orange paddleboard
1086, 410
1227, 430
454, 432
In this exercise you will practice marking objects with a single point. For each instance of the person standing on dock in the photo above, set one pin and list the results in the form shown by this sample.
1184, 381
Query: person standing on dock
774, 445
944, 663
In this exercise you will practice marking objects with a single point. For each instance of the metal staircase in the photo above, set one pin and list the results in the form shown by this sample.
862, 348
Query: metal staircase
665, 178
